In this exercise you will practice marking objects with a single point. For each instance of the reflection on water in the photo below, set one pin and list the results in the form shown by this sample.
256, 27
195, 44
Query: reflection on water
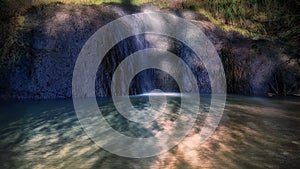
253, 133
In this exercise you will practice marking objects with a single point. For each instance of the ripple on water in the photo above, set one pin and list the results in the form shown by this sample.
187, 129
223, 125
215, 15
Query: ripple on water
253, 133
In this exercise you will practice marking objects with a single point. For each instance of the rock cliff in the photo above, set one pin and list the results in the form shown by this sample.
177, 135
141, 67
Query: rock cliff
40, 61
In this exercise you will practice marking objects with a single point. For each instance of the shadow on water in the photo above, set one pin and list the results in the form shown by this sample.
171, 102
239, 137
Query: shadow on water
47, 134
262, 133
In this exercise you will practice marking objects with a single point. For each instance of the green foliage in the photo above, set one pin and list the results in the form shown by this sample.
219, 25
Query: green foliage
21, 21
264, 18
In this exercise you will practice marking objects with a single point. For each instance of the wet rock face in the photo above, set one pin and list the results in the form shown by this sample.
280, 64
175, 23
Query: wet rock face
150, 79
53, 36
259, 68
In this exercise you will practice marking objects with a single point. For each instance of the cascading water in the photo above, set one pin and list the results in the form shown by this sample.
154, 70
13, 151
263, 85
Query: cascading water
253, 133
150, 79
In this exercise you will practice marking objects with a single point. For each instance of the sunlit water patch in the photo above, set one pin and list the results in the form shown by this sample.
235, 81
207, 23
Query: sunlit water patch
253, 133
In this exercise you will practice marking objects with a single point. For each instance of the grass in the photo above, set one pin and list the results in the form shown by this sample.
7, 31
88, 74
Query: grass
254, 18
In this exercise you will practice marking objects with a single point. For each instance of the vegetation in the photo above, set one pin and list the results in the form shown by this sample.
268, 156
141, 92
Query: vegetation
272, 19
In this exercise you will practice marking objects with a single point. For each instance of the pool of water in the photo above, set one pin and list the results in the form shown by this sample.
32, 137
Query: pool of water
253, 133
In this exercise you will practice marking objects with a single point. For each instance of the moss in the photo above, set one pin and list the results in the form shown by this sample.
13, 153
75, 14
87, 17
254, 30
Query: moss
21, 21
255, 18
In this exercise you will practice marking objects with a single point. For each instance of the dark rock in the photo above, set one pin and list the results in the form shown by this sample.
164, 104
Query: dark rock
259, 68
53, 36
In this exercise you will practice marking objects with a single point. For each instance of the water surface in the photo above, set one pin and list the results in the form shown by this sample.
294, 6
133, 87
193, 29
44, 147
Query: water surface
253, 133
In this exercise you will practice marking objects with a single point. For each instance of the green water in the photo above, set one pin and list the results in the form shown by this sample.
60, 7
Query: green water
253, 133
